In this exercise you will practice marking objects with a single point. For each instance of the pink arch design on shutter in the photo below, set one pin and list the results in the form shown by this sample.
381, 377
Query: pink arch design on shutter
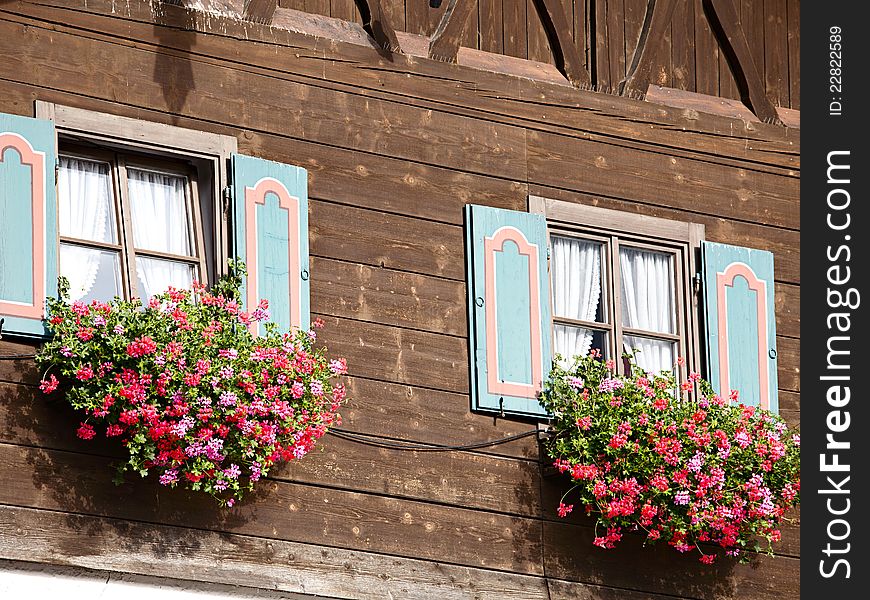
257, 195
36, 161
492, 245
726, 278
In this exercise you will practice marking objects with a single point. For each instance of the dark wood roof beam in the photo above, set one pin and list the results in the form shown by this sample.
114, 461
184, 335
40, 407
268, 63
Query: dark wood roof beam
562, 44
726, 24
444, 43
261, 11
655, 22
377, 25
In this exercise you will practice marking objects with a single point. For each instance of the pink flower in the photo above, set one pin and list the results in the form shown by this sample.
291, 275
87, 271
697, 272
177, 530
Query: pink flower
584, 423
564, 509
86, 432
141, 346
85, 373
49, 385
708, 559
339, 366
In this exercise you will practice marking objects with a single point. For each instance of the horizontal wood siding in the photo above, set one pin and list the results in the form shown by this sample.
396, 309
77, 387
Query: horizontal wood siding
394, 147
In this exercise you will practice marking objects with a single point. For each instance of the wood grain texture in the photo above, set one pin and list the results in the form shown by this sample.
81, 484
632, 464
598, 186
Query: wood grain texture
278, 510
651, 44
260, 10
445, 40
515, 34
536, 35
491, 25
683, 46
594, 168
562, 47
776, 52
713, 134
793, 8
189, 554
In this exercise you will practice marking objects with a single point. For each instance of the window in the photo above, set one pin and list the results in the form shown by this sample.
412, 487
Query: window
129, 224
621, 283
126, 207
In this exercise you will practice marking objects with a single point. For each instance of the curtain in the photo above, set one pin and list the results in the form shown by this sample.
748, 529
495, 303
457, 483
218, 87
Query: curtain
84, 212
159, 214
576, 266
648, 303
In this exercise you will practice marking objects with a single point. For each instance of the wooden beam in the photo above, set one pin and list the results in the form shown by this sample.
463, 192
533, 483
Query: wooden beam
444, 43
637, 78
726, 25
261, 11
377, 25
562, 44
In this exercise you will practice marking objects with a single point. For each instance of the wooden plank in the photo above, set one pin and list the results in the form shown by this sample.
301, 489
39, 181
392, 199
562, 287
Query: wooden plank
382, 240
317, 114
706, 53
788, 310
651, 64
345, 10
700, 102
623, 114
600, 47
582, 33
399, 355
776, 53
570, 590
788, 358
595, 168
461, 479
794, 53
569, 554
317, 7
491, 26
429, 416
188, 554
283, 511
21, 369
616, 41
472, 32
731, 38
536, 35
387, 297
379, 25
260, 10
483, 481
423, 19
562, 48
445, 40
635, 11
683, 46
515, 35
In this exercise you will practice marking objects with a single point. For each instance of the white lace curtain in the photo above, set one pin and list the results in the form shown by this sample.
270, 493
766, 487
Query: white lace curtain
576, 266
160, 223
84, 212
648, 303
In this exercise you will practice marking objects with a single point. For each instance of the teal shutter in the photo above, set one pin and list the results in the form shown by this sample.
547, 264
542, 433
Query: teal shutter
508, 308
740, 323
271, 237
28, 223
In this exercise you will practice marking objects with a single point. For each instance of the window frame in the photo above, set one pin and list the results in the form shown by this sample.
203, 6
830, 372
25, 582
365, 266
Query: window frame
151, 143
616, 228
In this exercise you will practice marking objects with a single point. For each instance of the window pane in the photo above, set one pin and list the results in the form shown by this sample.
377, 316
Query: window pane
576, 269
92, 274
156, 275
653, 356
570, 342
159, 207
647, 290
85, 201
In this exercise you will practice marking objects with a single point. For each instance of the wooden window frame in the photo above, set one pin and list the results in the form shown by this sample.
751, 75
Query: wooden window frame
150, 145
119, 162
615, 229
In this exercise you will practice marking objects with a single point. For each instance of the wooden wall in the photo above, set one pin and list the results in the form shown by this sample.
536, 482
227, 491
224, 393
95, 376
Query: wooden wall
395, 147
689, 58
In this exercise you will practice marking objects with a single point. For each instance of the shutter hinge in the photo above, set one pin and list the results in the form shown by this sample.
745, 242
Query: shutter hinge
697, 279
227, 197
56, 171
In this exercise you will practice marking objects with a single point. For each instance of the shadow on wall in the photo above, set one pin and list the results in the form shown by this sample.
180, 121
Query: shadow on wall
174, 28
43, 465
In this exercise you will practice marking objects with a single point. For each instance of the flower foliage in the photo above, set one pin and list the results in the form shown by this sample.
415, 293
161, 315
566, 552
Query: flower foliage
190, 392
670, 459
